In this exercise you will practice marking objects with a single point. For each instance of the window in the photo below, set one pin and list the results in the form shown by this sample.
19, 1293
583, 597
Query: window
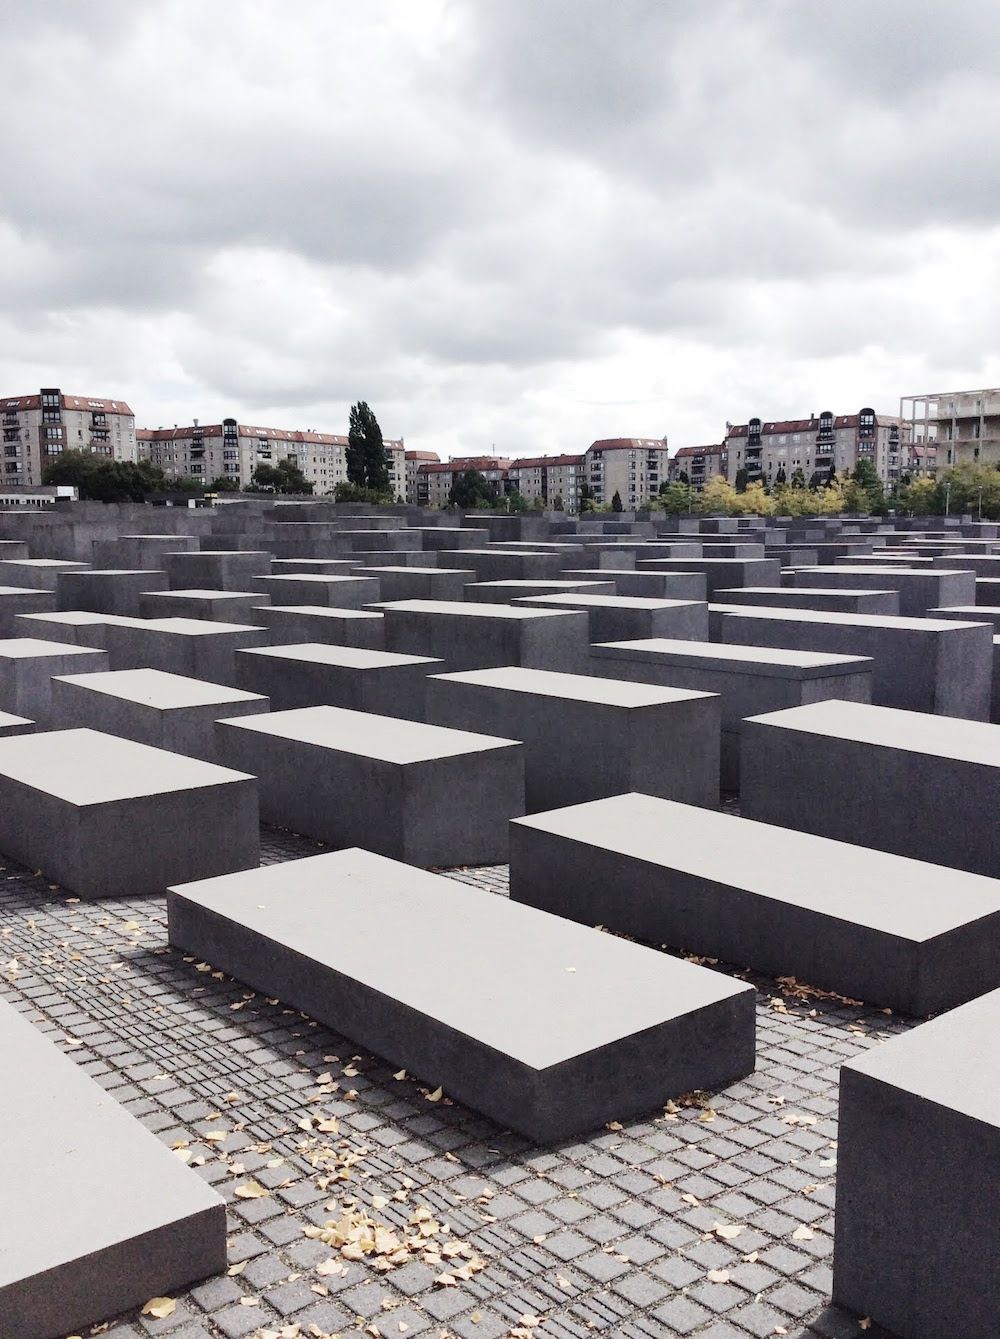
50, 399
53, 434
11, 468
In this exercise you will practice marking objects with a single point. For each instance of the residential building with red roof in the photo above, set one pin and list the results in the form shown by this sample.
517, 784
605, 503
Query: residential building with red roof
768, 451
37, 428
699, 464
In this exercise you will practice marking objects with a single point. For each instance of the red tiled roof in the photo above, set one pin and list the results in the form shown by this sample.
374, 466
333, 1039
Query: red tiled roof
629, 444
801, 425
75, 402
715, 449
457, 466
422, 455
540, 462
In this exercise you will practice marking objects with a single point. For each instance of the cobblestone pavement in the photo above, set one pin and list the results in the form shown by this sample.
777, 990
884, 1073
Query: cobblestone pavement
616, 1234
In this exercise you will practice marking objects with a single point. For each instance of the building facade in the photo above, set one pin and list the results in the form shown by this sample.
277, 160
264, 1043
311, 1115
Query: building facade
768, 452
416, 483
38, 428
549, 478
957, 427
632, 467
434, 479
232, 450
697, 464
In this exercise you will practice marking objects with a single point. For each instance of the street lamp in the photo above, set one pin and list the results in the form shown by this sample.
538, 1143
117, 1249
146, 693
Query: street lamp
947, 499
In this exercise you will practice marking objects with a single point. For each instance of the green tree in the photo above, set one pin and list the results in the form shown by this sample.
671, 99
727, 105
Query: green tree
798, 478
367, 458
586, 497
718, 497
865, 475
224, 484
101, 479
557, 503
471, 489
780, 477
741, 479
348, 492
616, 502
674, 498
281, 478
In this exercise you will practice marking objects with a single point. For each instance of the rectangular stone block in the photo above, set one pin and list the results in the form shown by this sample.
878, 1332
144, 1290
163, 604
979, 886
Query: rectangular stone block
969, 613
988, 590
919, 590
14, 725
26, 669
900, 933
218, 606
37, 573
749, 680
292, 624
76, 627
831, 598
547, 1027
13, 548
107, 591
192, 647
981, 564
512, 565
78, 1244
106, 817
219, 569
584, 738
422, 583
17, 600
920, 664
917, 1233
467, 635
339, 567
414, 792
898, 781
315, 674
505, 592
141, 550
338, 592
613, 617
651, 585
165, 711
719, 572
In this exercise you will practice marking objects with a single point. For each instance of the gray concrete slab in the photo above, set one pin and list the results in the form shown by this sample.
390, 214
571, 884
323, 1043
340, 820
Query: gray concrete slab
545, 1026
17, 600
585, 737
223, 606
292, 624
194, 648
141, 550
613, 617
314, 674
988, 591
920, 664
320, 588
218, 569
27, 665
830, 598
917, 1233
901, 781
78, 1244
892, 931
166, 711
719, 572
422, 583
749, 680
982, 564
969, 613
36, 573
14, 725
106, 817
342, 567
77, 627
414, 792
108, 590
467, 635
652, 585
13, 548
512, 564
505, 592
919, 590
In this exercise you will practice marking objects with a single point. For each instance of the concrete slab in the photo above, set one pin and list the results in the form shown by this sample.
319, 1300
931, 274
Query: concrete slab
107, 591
77, 1243
166, 711
749, 680
36, 573
585, 737
902, 781
410, 791
467, 635
320, 588
17, 600
76, 627
222, 606
896, 932
652, 585
191, 647
831, 598
314, 674
422, 583
542, 1025
218, 569
27, 665
505, 592
719, 572
14, 725
919, 589
918, 1167
141, 550
292, 624
622, 616
106, 817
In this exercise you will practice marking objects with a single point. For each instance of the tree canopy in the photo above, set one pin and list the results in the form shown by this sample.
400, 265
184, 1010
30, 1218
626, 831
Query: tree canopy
367, 458
281, 478
471, 489
101, 479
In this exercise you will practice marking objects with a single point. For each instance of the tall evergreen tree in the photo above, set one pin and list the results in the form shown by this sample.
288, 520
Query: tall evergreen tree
367, 458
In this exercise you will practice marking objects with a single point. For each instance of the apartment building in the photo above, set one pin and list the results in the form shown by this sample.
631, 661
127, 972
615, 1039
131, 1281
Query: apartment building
416, 483
37, 428
632, 467
814, 445
698, 464
959, 427
545, 478
437, 477
233, 450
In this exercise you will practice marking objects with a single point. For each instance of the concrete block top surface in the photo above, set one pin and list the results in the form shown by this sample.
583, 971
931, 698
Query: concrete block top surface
323, 610
194, 627
85, 767
20, 590
832, 878
736, 659
167, 595
577, 687
849, 591
877, 569
156, 688
44, 564
320, 579
108, 572
839, 620
610, 601
472, 609
33, 648
86, 618
9, 722
384, 738
953, 1060
418, 571
891, 727
89, 1176
221, 553
564, 583
343, 657
574, 989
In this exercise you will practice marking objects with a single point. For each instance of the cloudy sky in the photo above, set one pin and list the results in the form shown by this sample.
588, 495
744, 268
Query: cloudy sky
527, 223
